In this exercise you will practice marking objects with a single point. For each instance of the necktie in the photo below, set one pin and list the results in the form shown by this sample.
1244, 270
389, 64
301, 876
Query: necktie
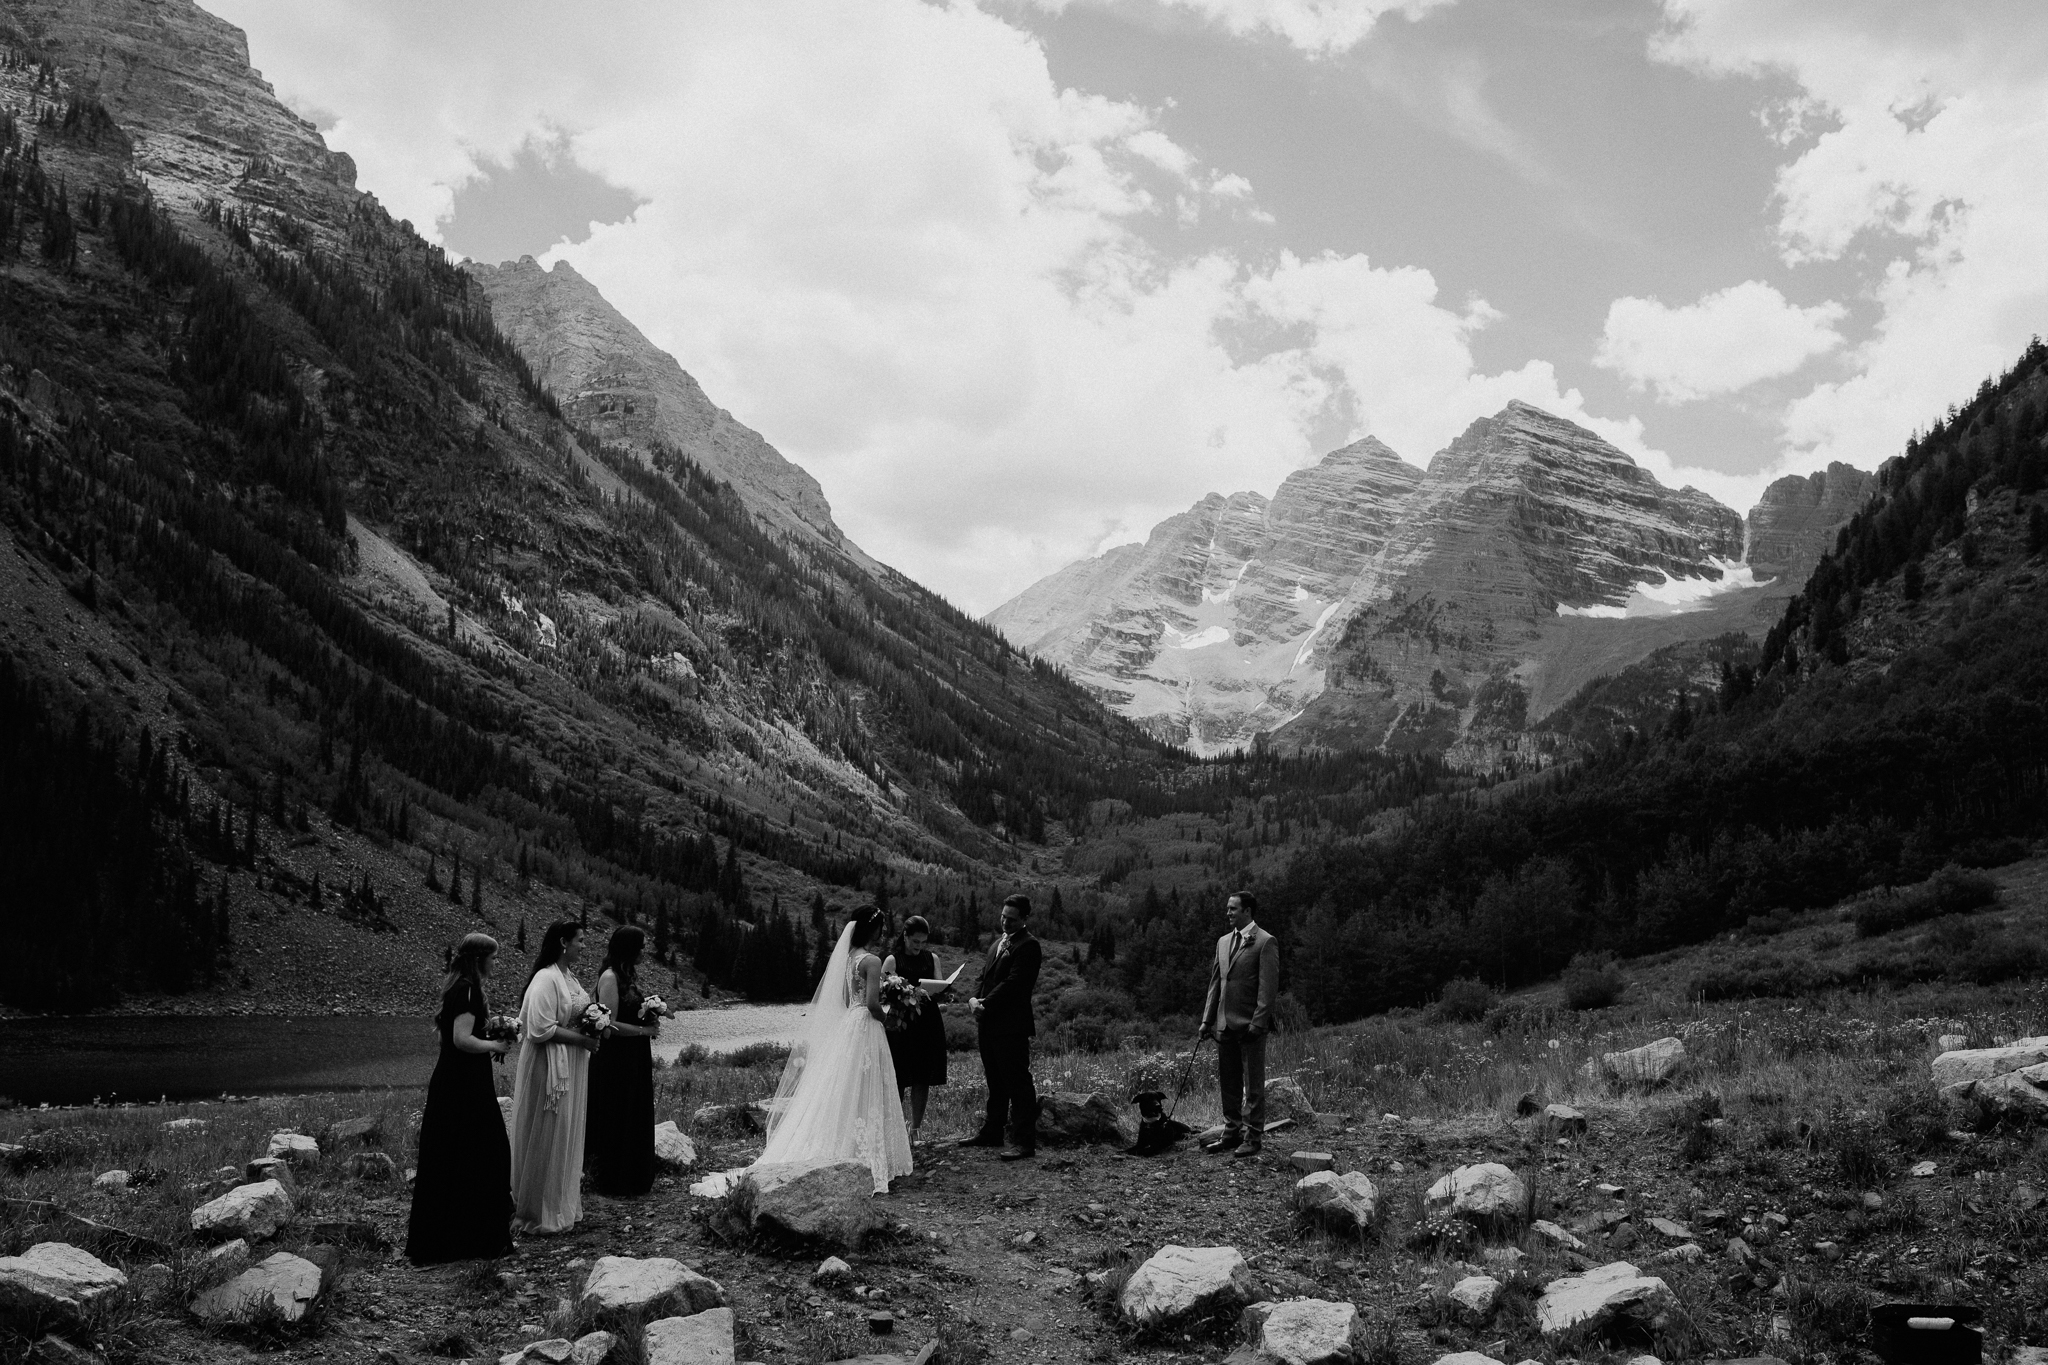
1236, 937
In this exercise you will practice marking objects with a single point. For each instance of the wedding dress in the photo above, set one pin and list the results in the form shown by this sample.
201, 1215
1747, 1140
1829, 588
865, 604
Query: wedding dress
837, 1100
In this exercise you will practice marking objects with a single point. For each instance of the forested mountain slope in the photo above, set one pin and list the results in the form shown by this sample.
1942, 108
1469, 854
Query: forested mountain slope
314, 592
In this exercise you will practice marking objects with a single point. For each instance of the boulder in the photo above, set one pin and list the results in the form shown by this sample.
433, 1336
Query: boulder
52, 1349
1556, 1235
110, 1182
1179, 1283
1285, 1099
745, 1118
1068, 1116
553, 1351
364, 1128
1561, 1120
270, 1168
828, 1202
1344, 1203
377, 1167
1652, 1064
593, 1348
253, 1211
700, 1339
296, 1148
2013, 1094
51, 1283
1591, 1301
621, 1286
1312, 1161
1310, 1332
290, 1283
832, 1271
1475, 1297
1486, 1193
328, 1258
1981, 1064
671, 1147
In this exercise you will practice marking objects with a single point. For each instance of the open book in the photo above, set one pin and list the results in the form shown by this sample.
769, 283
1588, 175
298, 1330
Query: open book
936, 986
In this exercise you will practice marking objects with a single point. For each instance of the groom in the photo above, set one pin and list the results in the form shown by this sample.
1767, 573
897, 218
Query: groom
1238, 1014
1002, 1008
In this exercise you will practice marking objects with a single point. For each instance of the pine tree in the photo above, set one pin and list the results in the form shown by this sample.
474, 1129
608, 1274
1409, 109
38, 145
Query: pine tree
455, 878
476, 893
315, 898
433, 873
520, 942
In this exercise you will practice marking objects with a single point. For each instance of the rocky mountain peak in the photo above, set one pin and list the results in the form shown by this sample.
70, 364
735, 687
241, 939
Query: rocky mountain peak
607, 375
1793, 524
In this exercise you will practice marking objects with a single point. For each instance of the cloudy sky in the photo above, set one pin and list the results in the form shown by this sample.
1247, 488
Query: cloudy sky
1017, 278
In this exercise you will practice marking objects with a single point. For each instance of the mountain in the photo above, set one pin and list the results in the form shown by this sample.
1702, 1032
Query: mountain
1441, 611
610, 379
321, 587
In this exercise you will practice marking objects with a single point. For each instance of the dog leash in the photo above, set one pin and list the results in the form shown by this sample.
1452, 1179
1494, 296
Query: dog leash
1185, 1072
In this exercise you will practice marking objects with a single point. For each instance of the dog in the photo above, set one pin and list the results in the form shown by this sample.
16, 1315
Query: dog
1157, 1130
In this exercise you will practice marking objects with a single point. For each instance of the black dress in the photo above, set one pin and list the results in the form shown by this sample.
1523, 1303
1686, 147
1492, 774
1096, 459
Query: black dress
462, 1194
618, 1153
919, 1051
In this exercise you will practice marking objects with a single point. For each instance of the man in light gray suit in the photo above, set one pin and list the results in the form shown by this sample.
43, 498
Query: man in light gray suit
1239, 1014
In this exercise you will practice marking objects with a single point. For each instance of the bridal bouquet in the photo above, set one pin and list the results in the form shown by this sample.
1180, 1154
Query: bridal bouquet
901, 1001
594, 1020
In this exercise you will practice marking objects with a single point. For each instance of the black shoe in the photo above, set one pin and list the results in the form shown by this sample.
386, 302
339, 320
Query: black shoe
1223, 1144
1246, 1152
979, 1141
1017, 1154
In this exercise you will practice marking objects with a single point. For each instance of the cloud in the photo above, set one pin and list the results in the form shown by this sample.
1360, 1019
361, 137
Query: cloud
1319, 27
1914, 145
1725, 342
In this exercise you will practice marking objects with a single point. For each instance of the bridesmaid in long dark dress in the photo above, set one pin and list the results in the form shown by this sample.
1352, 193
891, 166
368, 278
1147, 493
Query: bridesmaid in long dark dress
462, 1194
919, 1051
619, 1153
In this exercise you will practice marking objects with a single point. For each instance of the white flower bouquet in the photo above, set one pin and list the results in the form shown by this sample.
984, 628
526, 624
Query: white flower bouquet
595, 1020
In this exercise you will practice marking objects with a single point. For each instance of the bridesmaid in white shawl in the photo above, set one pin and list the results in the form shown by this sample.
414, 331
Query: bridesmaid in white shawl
550, 1094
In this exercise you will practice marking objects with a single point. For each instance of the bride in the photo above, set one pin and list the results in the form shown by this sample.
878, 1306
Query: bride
837, 1100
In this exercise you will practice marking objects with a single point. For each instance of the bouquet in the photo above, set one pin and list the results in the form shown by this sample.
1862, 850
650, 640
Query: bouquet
653, 1008
501, 1028
594, 1020
901, 1001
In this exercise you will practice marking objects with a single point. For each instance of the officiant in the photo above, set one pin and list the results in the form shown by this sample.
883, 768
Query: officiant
1002, 1011
919, 1051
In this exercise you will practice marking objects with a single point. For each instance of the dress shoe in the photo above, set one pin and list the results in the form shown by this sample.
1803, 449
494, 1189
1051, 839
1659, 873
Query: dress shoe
978, 1141
1222, 1144
1016, 1154
1247, 1151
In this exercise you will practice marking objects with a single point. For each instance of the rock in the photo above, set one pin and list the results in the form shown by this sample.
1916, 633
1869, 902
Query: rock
1684, 1252
2026, 1198
621, 1286
185, 1126
1665, 1227
553, 1351
1609, 1191
1475, 1297
828, 1202
270, 1168
1872, 1201
1068, 1117
365, 1128
1652, 1064
2030, 1355
671, 1147
253, 1211
1507, 1260
1600, 1220
52, 1349
1959, 1065
228, 1258
52, 1282
1286, 1100
1312, 1161
1178, 1283
1643, 1360
1466, 1358
111, 1182
1952, 1042
1829, 1252
2015, 1094
1344, 1203
1528, 1106
377, 1167
1623, 1236
1310, 1332
296, 1148
1556, 1235
328, 1259
1922, 1169
1486, 1193
832, 1271
699, 1339
1561, 1120
1591, 1301
744, 1118
150, 1282
289, 1282
593, 1348
1743, 1254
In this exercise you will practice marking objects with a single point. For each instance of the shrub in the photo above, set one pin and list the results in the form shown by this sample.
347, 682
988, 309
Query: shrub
1592, 981
1950, 891
1753, 980
1992, 852
1465, 1000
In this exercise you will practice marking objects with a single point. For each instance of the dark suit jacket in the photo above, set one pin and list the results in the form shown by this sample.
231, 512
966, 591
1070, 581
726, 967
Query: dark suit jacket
1242, 987
1007, 980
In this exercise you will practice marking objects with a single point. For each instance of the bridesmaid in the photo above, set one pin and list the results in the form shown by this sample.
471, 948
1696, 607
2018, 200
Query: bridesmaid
920, 1050
549, 1097
460, 1208
621, 1148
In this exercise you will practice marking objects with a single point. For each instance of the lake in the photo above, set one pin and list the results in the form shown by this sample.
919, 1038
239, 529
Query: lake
114, 1058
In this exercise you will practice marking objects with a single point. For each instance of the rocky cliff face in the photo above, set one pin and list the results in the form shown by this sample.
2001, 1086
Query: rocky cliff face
1373, 604
1795, 521
203, 123
609, 376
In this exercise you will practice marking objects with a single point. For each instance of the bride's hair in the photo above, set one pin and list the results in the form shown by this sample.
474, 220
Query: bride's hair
866, 921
